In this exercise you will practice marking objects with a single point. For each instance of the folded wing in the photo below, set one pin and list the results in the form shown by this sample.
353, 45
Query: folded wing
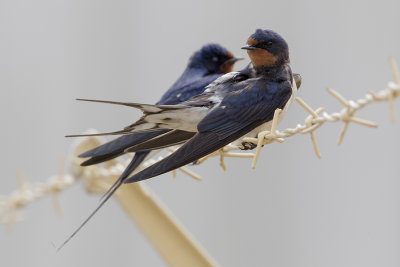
251, 104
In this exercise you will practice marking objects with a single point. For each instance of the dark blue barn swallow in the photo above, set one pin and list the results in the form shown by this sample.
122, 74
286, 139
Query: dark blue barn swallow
235, 105
229, 101
204, 66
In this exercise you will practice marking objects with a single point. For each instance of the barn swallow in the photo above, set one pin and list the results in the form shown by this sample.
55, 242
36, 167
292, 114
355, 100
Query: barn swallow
205, 65
229, 101
235, 105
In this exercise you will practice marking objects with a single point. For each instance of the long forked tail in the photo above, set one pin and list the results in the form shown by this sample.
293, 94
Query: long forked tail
137, 127
142, 125
142, 107
171, 138
136, 161
145, 108
121, 132
133, 165
107, 197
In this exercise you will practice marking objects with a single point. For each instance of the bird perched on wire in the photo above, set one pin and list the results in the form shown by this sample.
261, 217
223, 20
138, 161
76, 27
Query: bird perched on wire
204, 66
235, 105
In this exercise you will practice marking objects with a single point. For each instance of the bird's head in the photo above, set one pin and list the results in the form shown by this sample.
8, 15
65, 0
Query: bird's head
267, 49
214, 58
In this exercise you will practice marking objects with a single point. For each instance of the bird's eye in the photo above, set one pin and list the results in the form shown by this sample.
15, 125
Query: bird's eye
215, 59
266, 45
269, 43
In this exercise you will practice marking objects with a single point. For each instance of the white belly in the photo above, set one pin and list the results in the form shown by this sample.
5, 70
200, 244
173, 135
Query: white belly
182, 119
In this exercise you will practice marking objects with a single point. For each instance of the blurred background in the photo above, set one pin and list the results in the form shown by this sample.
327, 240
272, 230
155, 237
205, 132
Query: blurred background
292, 210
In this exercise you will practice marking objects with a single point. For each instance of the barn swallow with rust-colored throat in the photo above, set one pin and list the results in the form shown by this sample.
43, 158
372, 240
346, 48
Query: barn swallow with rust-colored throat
204, 66
235, 105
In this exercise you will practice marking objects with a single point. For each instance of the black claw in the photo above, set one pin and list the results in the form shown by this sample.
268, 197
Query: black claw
248, 146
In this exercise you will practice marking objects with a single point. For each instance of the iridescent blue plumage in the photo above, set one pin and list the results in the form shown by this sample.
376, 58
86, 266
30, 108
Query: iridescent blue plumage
248, 100
206, 64
234, 105
203, 67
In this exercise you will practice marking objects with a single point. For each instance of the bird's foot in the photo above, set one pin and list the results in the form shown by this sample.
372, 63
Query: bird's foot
248, 146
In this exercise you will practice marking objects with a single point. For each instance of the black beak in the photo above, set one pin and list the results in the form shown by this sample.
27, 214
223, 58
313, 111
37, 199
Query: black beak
250, 47
233, 60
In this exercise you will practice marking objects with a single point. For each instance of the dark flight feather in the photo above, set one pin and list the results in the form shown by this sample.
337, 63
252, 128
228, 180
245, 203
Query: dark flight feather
240, 112
171, 138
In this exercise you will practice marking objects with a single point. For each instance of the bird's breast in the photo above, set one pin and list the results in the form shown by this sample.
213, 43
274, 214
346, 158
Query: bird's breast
267, 125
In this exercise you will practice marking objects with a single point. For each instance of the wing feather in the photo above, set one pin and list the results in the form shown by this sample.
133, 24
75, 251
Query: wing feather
239, 113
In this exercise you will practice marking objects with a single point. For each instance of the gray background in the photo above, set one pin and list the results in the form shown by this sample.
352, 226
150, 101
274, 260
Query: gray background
293, 210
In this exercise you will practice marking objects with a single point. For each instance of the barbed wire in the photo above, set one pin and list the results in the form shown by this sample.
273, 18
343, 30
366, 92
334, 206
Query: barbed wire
30, 192
316, 119
96, 175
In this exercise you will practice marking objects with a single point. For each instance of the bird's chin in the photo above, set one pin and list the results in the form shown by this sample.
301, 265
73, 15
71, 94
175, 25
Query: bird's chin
262, 57
227, 67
